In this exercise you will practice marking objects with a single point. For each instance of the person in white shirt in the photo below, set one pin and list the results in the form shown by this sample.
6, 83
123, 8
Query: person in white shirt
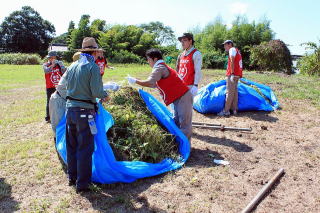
189, 63
233, 74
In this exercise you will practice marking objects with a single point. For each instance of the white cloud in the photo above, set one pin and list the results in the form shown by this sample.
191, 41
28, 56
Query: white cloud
238, 8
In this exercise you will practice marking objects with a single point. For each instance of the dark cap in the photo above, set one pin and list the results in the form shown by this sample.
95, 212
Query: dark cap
51, 54
227, 42
186, 35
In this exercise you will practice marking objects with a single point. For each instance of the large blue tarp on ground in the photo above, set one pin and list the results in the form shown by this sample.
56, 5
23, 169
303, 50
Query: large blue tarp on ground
211, 98
105, 168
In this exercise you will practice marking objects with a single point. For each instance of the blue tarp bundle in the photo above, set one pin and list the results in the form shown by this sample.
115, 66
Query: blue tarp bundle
211, 98
106, 169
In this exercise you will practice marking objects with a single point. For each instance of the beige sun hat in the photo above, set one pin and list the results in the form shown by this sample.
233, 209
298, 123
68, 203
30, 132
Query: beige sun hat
89, 44
76, 56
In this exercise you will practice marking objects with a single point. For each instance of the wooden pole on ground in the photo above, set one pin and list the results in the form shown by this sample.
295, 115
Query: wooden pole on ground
263, 191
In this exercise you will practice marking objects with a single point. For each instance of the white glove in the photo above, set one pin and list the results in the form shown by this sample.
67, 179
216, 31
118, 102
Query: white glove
232, 78
111, 68
111, 86
131, 80
194, 90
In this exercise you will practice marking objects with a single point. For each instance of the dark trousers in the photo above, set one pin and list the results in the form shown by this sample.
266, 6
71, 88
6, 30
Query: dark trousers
49, 93
80, 146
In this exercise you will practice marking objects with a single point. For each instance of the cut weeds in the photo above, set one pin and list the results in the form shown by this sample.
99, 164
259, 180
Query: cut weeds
136, 134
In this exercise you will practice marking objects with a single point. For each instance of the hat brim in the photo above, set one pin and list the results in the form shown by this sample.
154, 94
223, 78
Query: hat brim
180, 38
90, 49
228, 42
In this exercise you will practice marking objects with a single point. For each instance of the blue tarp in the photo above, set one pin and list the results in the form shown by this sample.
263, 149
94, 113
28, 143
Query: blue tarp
106, 169
211, 98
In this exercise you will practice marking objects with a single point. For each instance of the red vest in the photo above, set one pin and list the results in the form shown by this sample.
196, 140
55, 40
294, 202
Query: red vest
186, 68
53, 77
237, 65
172, 87
102, 63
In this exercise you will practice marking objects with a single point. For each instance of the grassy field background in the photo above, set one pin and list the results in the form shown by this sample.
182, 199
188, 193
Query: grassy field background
29, 167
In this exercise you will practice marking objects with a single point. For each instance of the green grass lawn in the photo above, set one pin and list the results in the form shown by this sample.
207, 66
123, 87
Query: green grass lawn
27, 155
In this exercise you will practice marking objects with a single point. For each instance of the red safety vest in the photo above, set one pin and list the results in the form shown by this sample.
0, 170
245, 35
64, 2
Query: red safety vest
172, 87
102, 63
186, 68
53, 77
237, 65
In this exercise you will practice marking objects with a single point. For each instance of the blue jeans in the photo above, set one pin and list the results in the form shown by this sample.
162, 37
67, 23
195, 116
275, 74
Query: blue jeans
80, 146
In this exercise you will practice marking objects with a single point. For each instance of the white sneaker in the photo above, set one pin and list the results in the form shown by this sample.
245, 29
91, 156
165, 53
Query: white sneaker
223, 113
234, 112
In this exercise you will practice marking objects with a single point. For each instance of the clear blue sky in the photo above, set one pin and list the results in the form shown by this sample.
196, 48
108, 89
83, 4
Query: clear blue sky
294, 21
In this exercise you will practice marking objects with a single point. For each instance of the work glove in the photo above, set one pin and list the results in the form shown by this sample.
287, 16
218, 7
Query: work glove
111, 86
131, 80
60, 63
194, 90
232, 78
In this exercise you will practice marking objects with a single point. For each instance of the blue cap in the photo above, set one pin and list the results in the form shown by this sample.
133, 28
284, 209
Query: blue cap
52, 53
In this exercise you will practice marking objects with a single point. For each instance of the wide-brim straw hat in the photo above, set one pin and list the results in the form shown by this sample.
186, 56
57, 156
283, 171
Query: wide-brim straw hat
89, 44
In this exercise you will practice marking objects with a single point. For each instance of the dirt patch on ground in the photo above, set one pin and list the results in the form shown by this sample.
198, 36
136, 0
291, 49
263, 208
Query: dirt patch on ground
288, 138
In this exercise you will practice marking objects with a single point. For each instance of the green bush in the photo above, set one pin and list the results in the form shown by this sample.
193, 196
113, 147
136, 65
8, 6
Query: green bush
273, 55
124, 56
309, 65
213, 59
19, 58
67, 55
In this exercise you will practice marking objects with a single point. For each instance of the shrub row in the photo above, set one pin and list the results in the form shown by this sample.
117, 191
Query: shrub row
19, 58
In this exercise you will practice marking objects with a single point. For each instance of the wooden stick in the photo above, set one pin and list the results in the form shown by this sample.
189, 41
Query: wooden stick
262, 192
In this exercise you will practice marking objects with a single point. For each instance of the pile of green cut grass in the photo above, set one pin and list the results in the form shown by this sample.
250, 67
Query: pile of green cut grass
137, 135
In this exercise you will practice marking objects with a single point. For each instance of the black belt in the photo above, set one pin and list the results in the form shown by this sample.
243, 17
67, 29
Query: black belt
86, 101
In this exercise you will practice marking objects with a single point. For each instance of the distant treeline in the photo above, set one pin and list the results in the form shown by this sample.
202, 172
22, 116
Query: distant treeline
25, 31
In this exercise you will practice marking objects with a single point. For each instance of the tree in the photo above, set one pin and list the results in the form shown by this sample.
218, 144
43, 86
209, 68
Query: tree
71, 26
273, 55
85, 29
25, 31
61, 39
243, 34
212, 36
79, 33
126, 43
164, 34
97, 27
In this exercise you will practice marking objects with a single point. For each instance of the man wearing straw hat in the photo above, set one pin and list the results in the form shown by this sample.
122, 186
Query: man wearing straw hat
84, 85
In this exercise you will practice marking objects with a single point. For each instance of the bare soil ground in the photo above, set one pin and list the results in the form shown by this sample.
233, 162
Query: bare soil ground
287, 138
